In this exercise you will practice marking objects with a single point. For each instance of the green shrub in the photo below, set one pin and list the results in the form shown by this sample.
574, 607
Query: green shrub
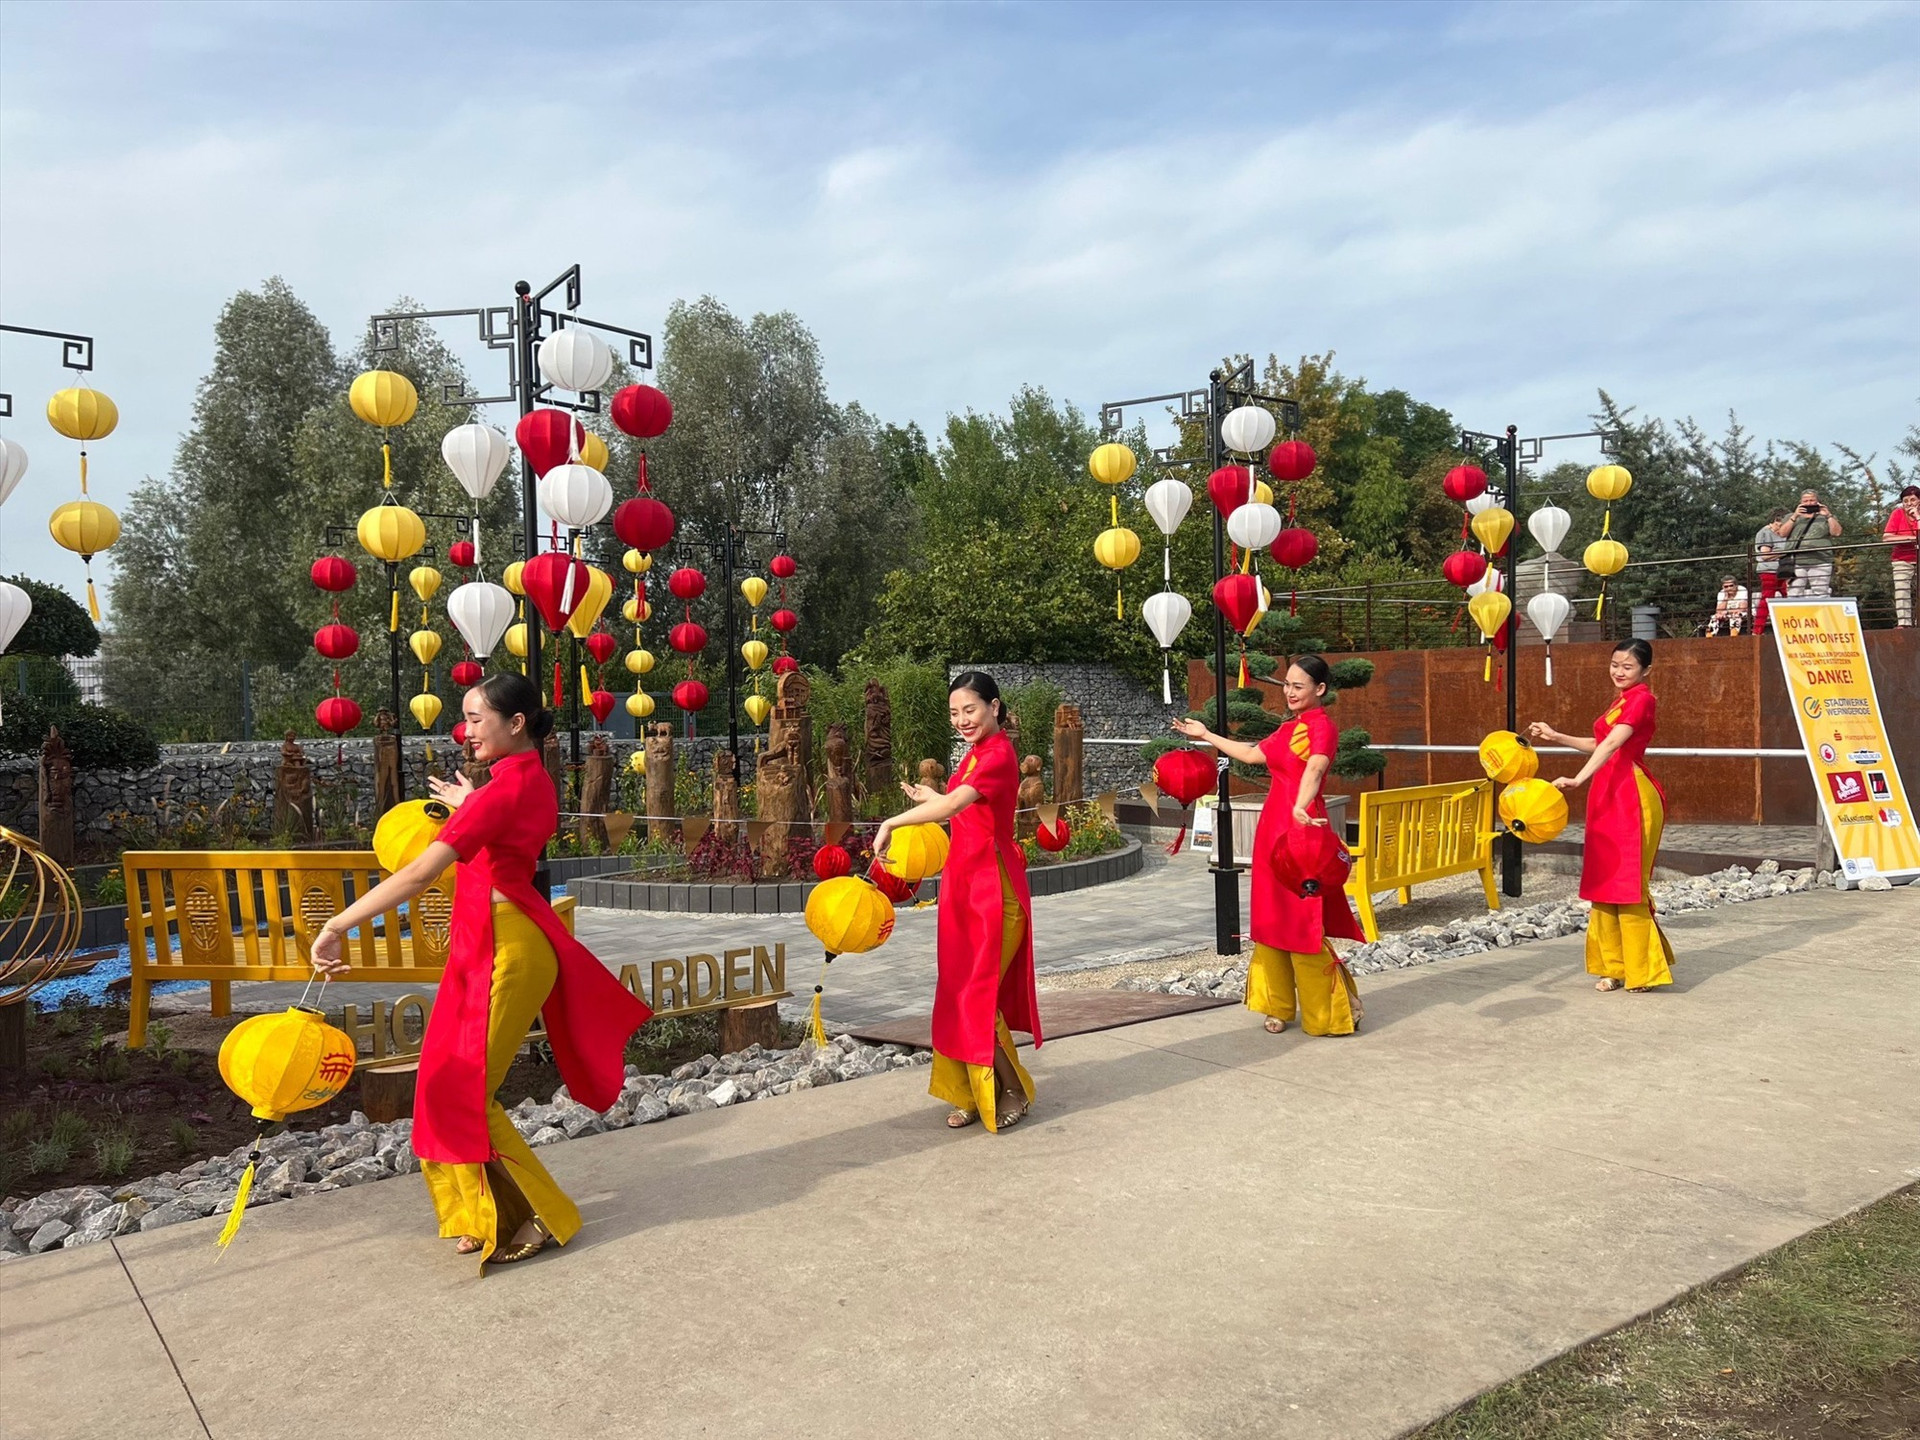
98, 738
1352, 674
113, 1152
111, 888
1355, 759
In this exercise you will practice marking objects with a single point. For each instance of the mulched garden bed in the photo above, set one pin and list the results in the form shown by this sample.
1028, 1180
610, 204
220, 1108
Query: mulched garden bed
86, 1111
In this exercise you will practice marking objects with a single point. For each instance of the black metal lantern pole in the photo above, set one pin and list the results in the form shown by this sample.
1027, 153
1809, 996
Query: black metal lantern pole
1225, 389
730, 551
1511, 452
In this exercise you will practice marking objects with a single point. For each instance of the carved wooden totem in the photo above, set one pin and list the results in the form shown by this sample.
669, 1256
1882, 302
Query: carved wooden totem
56, 799
838, 786
293, 792
660, 803
726, 797
1032, 794
876, 755
1068, 736
597, 790
389, 784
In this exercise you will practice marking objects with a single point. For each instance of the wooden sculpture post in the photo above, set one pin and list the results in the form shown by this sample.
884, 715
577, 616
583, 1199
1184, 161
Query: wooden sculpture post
1032, 794
837, 788
660, 803
790, 732
293, 792
596, 792
56, 799
876, 755
1068, 737
726, 798
389, 788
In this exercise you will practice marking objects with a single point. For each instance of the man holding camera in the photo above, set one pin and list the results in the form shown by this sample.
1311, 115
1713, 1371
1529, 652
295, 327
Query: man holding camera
1810, 541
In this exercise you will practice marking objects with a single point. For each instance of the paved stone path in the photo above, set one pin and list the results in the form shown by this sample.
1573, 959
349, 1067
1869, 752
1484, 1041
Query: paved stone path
1202, 1230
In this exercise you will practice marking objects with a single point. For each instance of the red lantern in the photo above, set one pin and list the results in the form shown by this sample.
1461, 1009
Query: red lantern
687, 584
785, 665
1311, 861
1291, 460
331, 572
1500, 636
467, 673
462, 554
459, 732
689, 637
1055, 840
1464, 567
545, 579
830, 862
548, 438
1464, 482
1230, 487
601, 703
601, 646
690, 695
1185, 774
783, 620
1238, 598
336, 642
642, 411
337, 714
643, 523
1295, 548
891, 885
782, 567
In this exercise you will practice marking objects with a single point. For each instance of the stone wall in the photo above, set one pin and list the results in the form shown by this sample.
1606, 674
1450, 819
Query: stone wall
1112, 707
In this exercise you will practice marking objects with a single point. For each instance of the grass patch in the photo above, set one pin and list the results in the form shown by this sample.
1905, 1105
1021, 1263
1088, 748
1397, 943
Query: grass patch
1819, 1339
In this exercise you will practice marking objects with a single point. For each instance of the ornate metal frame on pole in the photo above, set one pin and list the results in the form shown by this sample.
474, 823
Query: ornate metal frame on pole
1224, 390
1512, 452
518, 329
76, 353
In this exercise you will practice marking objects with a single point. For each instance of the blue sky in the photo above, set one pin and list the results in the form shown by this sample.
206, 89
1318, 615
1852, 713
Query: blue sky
1498, 208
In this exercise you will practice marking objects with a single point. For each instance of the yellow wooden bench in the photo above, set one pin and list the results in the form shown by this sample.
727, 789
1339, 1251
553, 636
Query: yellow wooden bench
1420, 833
226, 915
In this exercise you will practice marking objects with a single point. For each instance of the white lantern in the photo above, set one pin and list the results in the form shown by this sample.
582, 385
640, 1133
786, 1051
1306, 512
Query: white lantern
1492, 579
1483, 501
575, 495
1166, 615
1548, 525
15, 606
477, 454
1548, 612
1254, 526
575, 359
481, 611
13, 465
1168, 502
1248, 430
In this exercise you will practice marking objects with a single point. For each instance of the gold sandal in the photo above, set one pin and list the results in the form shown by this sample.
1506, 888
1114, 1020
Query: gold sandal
1603, 986
960, 1119
1275, 1025
1007, 1119
469, 1245
507, 1254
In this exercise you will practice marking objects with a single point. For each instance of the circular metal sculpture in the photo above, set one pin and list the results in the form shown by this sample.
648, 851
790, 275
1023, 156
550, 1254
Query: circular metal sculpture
41, 930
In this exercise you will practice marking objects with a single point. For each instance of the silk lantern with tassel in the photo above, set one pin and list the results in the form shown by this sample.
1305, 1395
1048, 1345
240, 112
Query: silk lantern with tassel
1185, 774
384, 399
1489, 610
477, 455
1493, 527
1548, 611
1606, 556
1116, 547
84, 526
848, 915
1166, 613
1535, 810
574, 358
1295, 548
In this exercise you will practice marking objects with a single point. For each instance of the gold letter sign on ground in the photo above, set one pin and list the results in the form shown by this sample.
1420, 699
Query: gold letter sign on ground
1865, 805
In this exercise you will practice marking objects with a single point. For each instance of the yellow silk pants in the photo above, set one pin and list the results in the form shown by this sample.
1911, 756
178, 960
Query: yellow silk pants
1329, 1002
1625, 942
492, 1201
970, 1087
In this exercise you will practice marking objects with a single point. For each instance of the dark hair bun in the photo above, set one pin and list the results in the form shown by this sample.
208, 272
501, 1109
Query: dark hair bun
541, 725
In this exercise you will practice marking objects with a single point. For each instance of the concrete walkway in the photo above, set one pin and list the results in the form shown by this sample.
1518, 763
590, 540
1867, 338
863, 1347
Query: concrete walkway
1202, 1231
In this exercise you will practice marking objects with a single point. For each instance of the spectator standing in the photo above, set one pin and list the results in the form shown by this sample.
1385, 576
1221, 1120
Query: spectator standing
1767, 544
1729, 608
1810, 541
1903, 526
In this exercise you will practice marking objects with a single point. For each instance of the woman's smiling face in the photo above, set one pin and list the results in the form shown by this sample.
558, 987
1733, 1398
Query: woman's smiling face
972, 717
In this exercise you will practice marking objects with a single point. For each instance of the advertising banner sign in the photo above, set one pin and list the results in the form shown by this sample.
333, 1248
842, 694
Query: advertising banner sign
1864, 804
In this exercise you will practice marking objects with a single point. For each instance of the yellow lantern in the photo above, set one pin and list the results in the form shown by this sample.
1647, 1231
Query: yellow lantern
282, 1063
510, 577
405, 831
425, 581
1116, 548
1490, 609
425, 644
593, 451
640, 705
516, 638
86, 527
639, 662
384, 398
637, 610
1534, 810
587, 615
916, 851
1605, 557
754, 652
1492, 526
755, 589
391, 533
1507, 757
848, 915
637, 762
1112, 463
82, 414
1609, 482
1262, 493
425, 706
636, 562
758, 707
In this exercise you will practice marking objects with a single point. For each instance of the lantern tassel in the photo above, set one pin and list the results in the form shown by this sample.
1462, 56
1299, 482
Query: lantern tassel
393, 614
817, 1027
1243, 670
386, 465
1119, 604
232, 1227
93, 599
1178, 841
1600, 604
1486, 671
83, 469
1549, 662
1293, 603
1166, 683
586, 687
556, 684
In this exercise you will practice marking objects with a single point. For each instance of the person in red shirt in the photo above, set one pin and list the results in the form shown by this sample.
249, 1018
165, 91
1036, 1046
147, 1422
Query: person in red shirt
510, 958
1903, 526
1626, 811
1294, 969
984, 989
